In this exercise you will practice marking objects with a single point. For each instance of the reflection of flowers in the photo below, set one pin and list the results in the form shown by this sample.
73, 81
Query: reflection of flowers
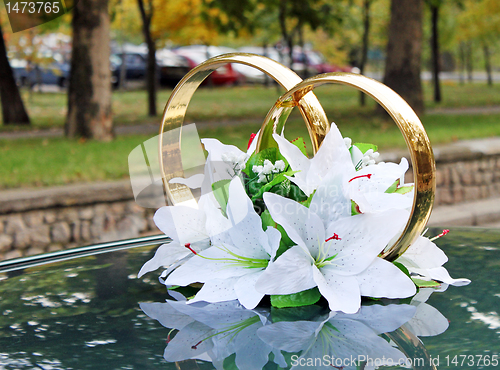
340, 337
214, 332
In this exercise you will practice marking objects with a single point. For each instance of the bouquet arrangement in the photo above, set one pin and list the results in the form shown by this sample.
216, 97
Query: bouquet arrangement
276, 223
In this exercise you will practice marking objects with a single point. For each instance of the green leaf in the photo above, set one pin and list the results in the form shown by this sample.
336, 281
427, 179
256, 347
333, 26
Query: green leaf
426, 283
221, 193
277, 179
393, 187
304, 298
404, 189
230, 363
285, 241
402, 268
303, 313
364, 147
307, 202
354, 209
301, 144
257, 159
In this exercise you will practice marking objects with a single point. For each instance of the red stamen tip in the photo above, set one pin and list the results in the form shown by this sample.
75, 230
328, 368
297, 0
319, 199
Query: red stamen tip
445, 231
358, 177
252, 136
196, 345
334, 237
188, 246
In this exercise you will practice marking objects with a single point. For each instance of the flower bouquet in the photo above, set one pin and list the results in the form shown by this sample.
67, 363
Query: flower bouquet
272, 222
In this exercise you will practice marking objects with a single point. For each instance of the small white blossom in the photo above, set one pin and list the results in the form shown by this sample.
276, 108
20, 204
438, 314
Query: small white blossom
257, 169
348, 142
268, 167
236, 160
279, 166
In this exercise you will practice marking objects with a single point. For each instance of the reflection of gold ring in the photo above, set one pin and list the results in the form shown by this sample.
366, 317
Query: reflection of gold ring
424, 167
176, 107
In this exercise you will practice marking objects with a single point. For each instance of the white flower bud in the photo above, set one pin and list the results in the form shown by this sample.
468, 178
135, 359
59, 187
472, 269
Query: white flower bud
257, 169
279, 166
268, 167
347, 142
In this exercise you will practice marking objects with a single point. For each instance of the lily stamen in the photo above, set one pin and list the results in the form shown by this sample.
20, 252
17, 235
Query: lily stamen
188, 246
445, 231
358, 177
334, 237
196, 345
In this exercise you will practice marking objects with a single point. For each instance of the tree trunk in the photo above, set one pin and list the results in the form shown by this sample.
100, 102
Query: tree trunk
461, 52
287, 36
468, 61
13, 111
435, 52
364, 46
487, 64
151, 63
404, 49
89, 91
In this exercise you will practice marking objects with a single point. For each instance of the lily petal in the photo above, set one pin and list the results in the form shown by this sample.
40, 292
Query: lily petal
216, 290
363, 237
182, 224
302, 226
341, 292
290, 273
245, 290
384, 279
165, 255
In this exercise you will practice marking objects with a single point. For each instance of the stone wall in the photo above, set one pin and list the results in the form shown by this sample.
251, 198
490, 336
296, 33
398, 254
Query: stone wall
465, 171
38, 221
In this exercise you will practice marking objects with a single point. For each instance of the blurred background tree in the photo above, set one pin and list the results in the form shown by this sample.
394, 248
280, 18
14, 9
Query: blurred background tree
89, 92
13, 110
404, 50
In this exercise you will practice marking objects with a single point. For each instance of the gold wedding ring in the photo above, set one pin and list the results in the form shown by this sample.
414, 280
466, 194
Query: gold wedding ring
175, 111
424, 167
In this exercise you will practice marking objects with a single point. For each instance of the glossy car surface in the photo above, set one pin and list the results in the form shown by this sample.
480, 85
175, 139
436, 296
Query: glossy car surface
84, 313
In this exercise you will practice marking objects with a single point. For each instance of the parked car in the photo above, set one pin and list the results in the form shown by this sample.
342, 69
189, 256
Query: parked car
172, 67
270, 52
225, 75
316, 63
135, 67
55, 73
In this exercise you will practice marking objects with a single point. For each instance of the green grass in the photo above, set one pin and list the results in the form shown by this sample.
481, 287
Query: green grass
240, 103
229, 114
45, 162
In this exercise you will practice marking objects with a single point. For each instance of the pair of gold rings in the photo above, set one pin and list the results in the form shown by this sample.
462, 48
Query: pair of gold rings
299, 94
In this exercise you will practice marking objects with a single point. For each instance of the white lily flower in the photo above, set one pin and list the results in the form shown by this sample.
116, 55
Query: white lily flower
365, 187
186, 227
215, 331
368, 188
340, 337
238, 257
426, 259
332, 155
338, 255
